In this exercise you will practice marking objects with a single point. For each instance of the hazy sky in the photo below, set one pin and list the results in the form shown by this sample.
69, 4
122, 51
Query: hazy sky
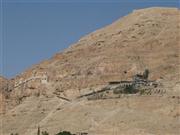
34, 30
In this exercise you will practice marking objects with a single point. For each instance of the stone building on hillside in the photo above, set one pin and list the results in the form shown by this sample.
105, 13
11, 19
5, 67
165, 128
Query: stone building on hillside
37, 77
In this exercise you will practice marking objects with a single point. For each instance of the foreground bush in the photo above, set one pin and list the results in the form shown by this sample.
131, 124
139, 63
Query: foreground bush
64, 133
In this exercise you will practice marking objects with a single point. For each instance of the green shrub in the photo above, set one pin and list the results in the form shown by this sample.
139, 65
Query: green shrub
142, 92
45, 133
64, 133
130, 90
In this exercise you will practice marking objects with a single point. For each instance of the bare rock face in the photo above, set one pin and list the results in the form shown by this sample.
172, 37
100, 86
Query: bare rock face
3, 83
145, 39
3, 93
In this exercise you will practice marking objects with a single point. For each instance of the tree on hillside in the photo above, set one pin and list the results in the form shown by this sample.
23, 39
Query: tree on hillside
38, 132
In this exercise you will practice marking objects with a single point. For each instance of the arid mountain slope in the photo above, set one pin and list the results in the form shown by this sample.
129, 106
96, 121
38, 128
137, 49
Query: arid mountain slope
145, 39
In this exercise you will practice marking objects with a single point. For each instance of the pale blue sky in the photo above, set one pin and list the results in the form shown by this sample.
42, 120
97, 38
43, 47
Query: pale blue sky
34, 30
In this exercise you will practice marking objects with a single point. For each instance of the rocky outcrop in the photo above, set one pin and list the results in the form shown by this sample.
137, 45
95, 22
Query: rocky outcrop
3, 93
3, 83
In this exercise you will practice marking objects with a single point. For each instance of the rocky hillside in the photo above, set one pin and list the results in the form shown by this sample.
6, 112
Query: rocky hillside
3, 93
145, 39
3, 83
